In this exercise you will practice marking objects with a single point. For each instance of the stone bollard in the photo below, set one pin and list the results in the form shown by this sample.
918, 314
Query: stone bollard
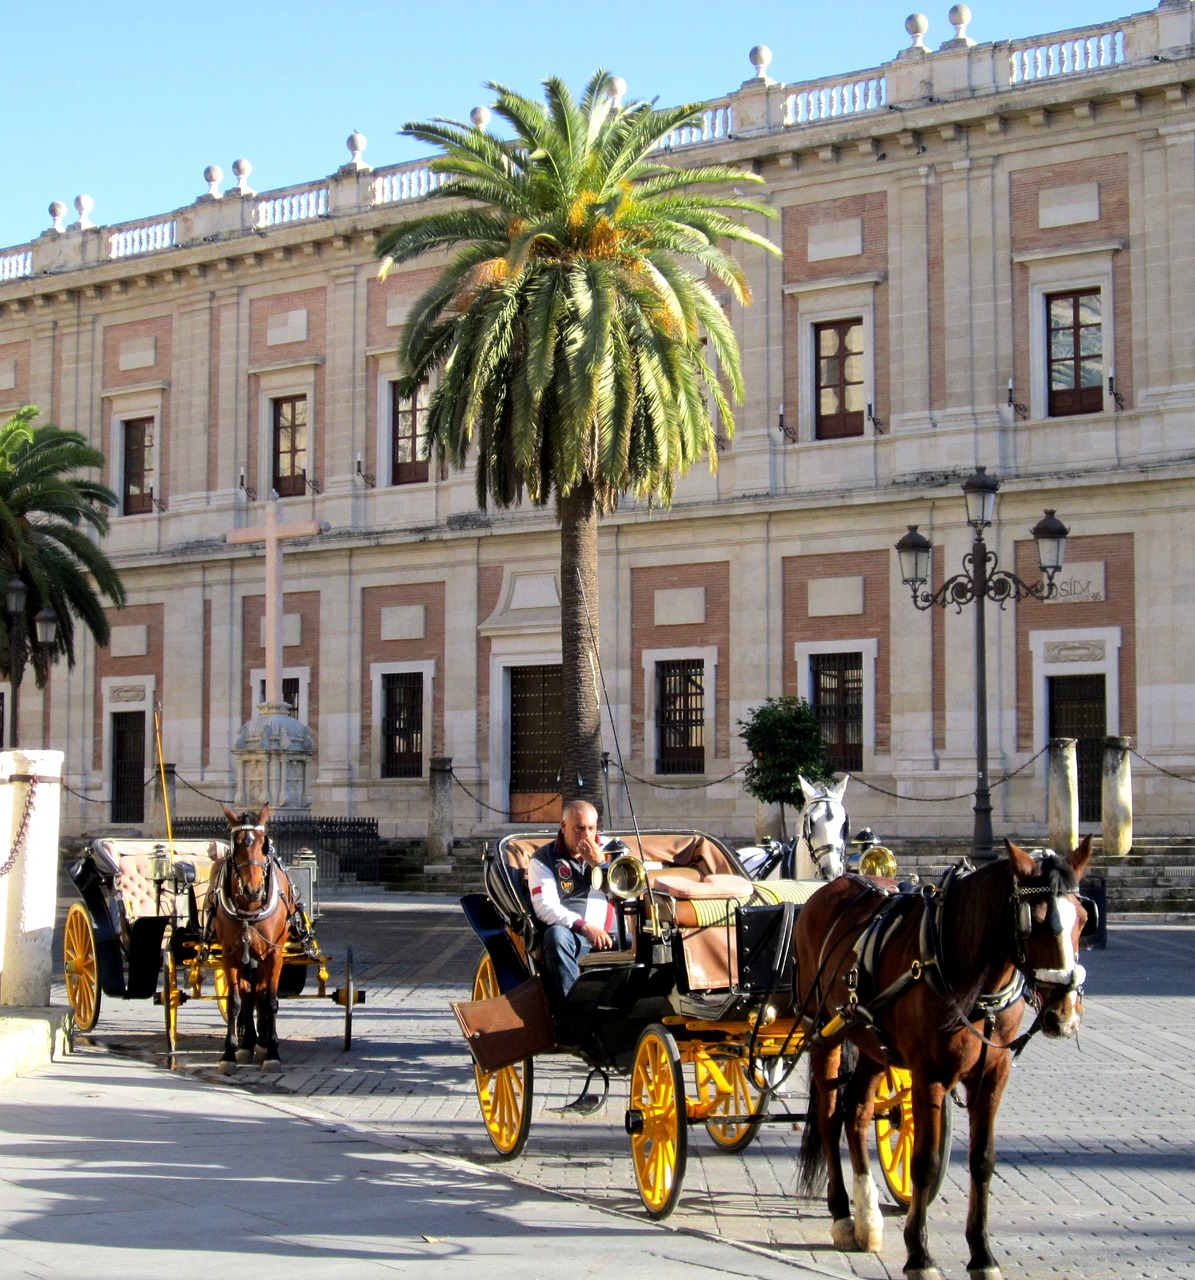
1116, 798
1063, 791
439, 824
29, 888
158, 820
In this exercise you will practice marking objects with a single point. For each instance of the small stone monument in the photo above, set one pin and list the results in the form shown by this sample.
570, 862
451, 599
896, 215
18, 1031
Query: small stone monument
274, 750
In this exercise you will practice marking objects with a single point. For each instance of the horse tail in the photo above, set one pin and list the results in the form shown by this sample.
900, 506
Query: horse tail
811, 1159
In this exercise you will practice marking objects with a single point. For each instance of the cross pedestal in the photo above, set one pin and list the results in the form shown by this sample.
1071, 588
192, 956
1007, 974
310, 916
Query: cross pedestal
274, 750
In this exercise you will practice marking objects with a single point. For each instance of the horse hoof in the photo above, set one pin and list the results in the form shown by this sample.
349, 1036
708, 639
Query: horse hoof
843, 1233
984, 1273
260, 1053
227, 1068
244, 1055
270, 1066
924, 1273
869, 1238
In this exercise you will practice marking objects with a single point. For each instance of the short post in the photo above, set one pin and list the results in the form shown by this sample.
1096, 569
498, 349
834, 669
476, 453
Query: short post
439, 824
1116, 798
32, 781
1063, 791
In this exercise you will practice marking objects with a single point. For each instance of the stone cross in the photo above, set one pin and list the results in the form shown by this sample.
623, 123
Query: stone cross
273, 535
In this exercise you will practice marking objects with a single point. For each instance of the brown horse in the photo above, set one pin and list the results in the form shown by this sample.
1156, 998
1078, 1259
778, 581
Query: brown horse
253, 900
935, 981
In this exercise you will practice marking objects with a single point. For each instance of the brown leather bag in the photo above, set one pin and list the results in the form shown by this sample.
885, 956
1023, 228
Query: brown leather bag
507, 1028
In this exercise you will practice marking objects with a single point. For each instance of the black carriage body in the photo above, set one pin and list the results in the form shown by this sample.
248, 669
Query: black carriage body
618, 994
135, 950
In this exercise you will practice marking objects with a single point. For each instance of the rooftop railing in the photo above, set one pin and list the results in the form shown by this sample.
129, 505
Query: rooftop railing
1081, 51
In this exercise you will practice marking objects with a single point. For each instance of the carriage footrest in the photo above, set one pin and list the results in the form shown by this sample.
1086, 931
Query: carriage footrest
340, 996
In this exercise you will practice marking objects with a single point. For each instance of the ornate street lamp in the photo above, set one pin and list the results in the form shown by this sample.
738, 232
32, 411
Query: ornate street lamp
980, 581
45, 626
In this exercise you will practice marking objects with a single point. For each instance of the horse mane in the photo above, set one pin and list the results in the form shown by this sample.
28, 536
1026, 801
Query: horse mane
975, 928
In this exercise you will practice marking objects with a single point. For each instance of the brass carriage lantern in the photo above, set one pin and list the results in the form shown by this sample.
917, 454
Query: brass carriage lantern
981, 580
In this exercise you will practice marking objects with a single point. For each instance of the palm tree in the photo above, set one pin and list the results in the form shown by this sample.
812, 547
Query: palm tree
569, 329
46, 507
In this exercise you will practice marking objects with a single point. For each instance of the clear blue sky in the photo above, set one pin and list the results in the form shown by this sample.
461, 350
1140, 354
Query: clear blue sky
128, 100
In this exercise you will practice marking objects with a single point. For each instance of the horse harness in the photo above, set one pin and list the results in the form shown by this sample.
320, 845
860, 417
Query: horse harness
269, 896
892, 914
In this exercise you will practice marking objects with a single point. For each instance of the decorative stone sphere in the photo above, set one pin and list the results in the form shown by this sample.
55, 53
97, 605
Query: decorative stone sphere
618, 89
356, 143
213, 174
959, 15
917, 24
481, 117
84, 205
57, 209
242, 168
761, 58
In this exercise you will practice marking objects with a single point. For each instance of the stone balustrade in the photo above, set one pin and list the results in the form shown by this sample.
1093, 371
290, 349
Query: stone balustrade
917, 76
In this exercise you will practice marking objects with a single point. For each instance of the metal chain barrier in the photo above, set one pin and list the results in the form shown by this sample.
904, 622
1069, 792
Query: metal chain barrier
1178, 777
679, 786
18, 845
965, 795
81, 796
529, 816
178, 777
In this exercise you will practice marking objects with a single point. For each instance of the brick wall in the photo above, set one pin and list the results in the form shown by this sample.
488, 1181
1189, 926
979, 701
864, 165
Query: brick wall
872, 624
429, 647
714, 633
1118, 609
1110, 172
137, 667
305, 654
872, 210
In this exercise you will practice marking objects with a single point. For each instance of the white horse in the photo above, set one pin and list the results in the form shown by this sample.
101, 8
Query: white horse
822, 832
818, 850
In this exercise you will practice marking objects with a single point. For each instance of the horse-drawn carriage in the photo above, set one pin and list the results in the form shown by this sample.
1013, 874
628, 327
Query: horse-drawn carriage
695, 1006
145, 928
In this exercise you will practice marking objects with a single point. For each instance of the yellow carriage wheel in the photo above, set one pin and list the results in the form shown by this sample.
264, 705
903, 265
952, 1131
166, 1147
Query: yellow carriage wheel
894, 1135
81, 968
724, 1084
505, 1094
657, 1121
171, 999
220, 982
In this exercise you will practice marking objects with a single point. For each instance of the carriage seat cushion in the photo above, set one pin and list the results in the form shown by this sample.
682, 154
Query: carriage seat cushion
715, 886
130, 862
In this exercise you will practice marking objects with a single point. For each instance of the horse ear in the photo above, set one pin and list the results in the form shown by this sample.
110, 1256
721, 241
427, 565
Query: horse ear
1023, 865
1080, 859
263, 815
838, 788
233, 817
809, 790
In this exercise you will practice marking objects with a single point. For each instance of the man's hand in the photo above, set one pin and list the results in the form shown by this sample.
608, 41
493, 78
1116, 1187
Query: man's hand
599, 939
588, 852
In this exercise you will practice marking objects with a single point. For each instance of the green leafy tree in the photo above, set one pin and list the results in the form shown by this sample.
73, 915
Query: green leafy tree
567, 337
785, 742
49, 511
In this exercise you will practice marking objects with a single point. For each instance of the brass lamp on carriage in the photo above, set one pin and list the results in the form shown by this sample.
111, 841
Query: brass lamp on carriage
980, 581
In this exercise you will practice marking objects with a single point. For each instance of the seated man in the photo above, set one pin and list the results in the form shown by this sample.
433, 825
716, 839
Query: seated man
578, 917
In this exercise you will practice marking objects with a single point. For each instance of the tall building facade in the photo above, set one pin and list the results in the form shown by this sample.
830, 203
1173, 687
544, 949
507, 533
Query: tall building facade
988, 259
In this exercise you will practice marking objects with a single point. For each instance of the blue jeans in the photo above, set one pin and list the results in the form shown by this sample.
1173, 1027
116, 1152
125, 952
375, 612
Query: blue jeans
563, 950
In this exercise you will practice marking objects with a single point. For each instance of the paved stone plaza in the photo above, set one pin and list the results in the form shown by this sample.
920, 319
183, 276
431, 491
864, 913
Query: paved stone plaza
1096, 1140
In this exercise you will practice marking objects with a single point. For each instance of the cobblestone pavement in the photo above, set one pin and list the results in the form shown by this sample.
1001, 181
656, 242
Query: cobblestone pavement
1096, 1140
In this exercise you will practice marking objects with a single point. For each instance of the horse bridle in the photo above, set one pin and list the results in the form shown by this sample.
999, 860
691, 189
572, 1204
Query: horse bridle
1070, 979
267, 895
819, 852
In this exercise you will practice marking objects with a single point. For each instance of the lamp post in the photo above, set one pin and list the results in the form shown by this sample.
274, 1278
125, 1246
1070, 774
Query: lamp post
45, 634
980, 581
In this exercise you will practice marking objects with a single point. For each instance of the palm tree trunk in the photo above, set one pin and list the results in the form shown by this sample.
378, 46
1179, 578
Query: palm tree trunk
580, 777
